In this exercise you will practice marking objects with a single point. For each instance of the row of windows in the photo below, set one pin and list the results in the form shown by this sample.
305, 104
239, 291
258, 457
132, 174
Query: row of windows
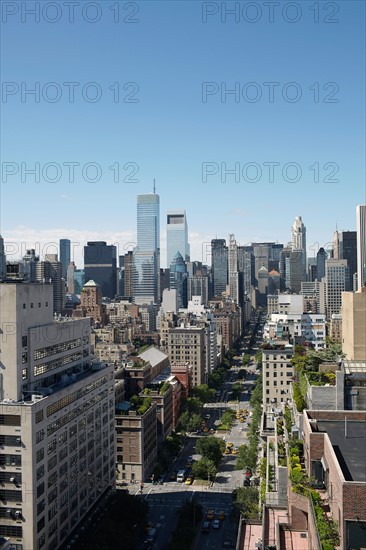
52, 409
56, 348
68, 417
56, 363
32, 305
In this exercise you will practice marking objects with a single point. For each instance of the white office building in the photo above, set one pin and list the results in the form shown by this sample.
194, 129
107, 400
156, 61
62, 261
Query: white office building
57, 420
177, 235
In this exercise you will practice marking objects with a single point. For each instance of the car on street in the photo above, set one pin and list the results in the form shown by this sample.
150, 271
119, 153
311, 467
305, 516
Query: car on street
216, 523
221, 515
205, 526
189, 481
210, 514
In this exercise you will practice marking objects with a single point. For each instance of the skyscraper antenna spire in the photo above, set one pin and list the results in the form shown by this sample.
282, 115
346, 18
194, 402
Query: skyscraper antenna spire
154, 187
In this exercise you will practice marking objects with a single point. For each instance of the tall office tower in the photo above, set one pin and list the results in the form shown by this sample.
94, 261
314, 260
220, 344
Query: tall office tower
336, 250
219, 264
233, 273
65, 256
70, 283
320, 264
177, 235
50, 271
348, 240
299, 241
128, 270
146, 256
261, 253
57, 421
100, 264
30, 261
198, 286
336, 282
2, 258
295, 273
285, 254
245, 267
178, 279
354, 324
361, 244
311, 273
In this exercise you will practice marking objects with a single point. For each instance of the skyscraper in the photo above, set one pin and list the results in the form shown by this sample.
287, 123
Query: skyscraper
177, 235
361, 244
178, 279
219, 260
233, 273
320, 264
100, 264
336, 282
146, 256
64, 256
299, 242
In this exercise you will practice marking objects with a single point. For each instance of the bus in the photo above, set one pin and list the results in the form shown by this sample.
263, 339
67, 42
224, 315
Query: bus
181, 476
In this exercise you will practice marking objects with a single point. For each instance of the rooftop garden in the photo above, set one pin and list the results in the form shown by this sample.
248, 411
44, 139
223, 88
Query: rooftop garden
141, 404
306, 363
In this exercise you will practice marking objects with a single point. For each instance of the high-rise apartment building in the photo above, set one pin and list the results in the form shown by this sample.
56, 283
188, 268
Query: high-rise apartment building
361, 244
295, 271
336, 282
177, 235
219, 262
65, 256
70, 283
57, 420
277, 372
100, 264
187, 343
146, 256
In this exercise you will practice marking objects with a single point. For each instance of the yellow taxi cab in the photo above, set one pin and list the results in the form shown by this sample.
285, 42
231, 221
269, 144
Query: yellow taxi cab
234, 451
229, 445
189, 481
210, 514
227, 452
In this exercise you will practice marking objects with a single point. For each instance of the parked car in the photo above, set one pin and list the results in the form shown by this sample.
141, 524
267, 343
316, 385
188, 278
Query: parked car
221, 515
216, 524
210, 514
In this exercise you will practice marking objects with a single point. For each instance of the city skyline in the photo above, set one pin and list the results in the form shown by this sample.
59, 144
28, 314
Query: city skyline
200, 243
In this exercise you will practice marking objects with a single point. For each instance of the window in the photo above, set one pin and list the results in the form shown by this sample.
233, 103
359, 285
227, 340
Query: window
52, 511
24, 374
40, 525
39, 416
39, 436
24, 341
40, 454
24, 358
32, 305
40, 472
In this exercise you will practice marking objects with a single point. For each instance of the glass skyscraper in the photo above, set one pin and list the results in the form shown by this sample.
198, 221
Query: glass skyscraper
177, 235
100, 264
146, 264
64, 256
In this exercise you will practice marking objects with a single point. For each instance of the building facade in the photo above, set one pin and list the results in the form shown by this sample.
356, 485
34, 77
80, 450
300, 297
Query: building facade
100, 264
177, 235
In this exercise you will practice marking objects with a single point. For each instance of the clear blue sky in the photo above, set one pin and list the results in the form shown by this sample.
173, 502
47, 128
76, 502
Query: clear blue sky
169, 132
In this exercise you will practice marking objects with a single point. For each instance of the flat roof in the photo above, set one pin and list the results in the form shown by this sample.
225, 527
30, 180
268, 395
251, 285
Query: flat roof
351, 450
